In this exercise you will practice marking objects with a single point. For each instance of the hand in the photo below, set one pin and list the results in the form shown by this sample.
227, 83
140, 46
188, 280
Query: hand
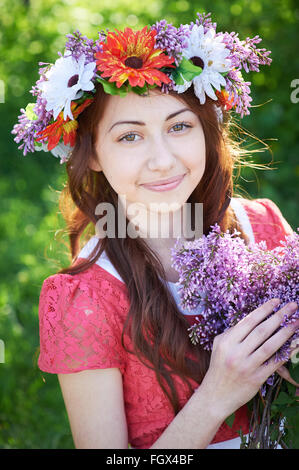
237, 367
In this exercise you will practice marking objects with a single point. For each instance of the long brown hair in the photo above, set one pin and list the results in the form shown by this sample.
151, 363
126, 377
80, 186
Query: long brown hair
157, 328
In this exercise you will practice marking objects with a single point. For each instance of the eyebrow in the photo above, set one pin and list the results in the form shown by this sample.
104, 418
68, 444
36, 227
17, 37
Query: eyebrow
140, 123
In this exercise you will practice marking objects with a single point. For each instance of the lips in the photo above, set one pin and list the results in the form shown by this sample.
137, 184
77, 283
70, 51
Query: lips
161, 182
174, 183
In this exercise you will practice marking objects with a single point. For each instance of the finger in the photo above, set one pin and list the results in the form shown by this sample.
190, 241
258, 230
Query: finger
272, 345
267, 327
248, 323
284, 373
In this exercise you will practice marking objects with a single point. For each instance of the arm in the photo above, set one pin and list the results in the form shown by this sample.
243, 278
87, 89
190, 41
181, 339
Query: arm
95, 407
94, 399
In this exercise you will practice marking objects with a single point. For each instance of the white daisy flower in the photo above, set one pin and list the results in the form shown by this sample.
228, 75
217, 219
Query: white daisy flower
66, 81
61, 151
208, 52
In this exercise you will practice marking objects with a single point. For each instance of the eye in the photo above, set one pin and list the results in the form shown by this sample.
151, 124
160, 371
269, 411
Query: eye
130, 137
180, 126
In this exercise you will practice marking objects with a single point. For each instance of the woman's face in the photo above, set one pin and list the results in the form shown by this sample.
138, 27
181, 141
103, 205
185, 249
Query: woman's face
145, 139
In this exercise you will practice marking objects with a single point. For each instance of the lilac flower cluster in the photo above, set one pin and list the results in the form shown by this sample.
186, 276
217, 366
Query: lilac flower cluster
244, 55
78, 44
238, 91
228, 280
171, 39
26, 129
205, 20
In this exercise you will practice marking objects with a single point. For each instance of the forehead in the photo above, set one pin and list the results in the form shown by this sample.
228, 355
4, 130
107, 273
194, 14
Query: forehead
155, 105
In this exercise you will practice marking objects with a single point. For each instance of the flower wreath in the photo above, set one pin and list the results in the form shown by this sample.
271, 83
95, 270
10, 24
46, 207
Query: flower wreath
123, 61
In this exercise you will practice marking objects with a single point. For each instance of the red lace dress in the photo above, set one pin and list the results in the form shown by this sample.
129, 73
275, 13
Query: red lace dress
81, 318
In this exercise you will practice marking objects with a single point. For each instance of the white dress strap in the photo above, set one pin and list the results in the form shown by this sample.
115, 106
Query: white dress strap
242, 217
103, 261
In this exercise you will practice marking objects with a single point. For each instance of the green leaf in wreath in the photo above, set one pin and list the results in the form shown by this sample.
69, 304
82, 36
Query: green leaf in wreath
177, 77
112, 89
142, 90
188, 66
186, 70
37, 144
189, 76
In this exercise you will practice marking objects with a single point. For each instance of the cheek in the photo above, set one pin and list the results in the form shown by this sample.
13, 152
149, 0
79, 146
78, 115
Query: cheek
196, 162
195, 155
122, 175
115, 166
197, 171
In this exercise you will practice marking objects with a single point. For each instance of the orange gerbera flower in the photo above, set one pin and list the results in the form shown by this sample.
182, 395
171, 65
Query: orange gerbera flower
67, 129
223, 99
131, 56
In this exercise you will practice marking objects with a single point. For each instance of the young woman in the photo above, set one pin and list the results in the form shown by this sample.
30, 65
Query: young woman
111, 325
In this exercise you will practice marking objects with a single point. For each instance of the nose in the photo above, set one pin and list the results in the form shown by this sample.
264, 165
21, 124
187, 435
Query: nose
160, 156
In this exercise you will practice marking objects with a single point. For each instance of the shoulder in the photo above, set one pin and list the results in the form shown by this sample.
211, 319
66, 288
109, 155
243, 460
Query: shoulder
80, 321
95, 283
266, 220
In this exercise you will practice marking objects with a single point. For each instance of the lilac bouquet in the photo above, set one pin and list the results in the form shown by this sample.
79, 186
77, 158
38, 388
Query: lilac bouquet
226, 280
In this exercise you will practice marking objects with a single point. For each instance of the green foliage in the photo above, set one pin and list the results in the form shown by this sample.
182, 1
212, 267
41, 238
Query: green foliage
32, 413
294, 370
111, 88
287, 406
230, 420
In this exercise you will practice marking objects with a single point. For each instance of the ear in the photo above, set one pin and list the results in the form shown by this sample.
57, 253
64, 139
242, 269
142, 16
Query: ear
94, 165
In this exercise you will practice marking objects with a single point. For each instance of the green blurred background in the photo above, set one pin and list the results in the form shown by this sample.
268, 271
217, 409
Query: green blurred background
32, 413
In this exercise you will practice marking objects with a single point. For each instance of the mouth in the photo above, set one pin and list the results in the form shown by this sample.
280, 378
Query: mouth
165, 185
